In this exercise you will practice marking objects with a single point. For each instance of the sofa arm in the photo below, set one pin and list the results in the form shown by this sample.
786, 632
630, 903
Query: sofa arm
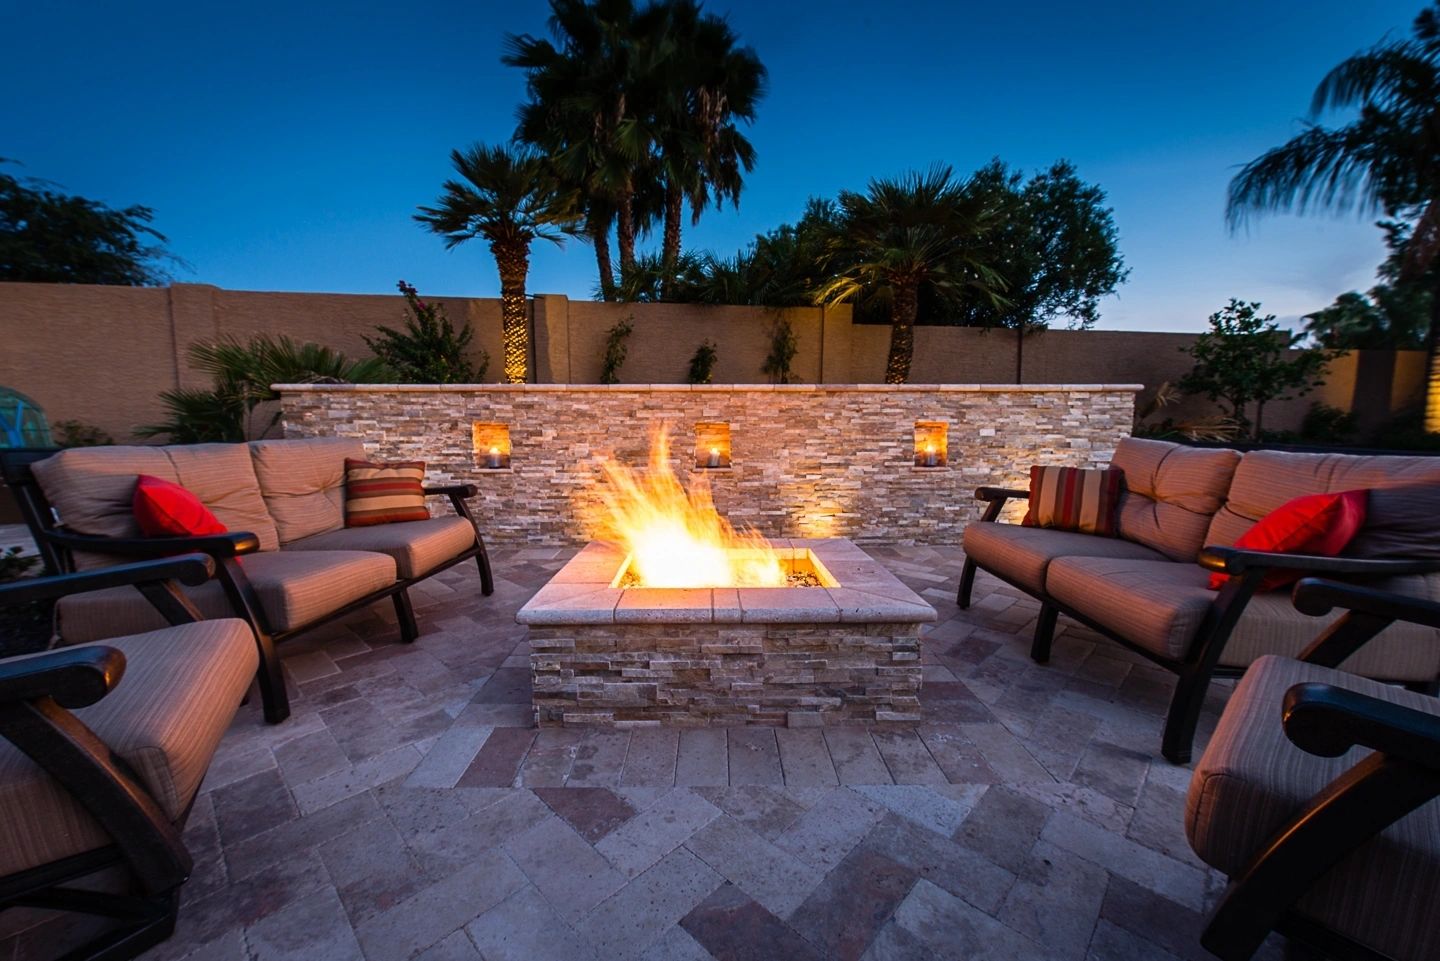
999, 493
190, 569
1328, 721
74, 677
1318, 597
453, 490
216, 545
1235, 560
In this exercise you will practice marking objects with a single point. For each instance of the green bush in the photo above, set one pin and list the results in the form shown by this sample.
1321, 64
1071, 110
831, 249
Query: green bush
75, 433
429, 350
702, 365
615, 352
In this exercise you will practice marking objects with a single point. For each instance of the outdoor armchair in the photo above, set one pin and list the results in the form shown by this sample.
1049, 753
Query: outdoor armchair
1318, 794
103, 748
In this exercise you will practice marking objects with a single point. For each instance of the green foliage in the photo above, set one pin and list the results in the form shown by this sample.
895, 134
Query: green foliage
1394, 315
1407, 433
1324, 424
55, 238
650, 281
429, 350
1247, 359
75, 433
242, 371
702, 364
615, 352
783, 348
14, 565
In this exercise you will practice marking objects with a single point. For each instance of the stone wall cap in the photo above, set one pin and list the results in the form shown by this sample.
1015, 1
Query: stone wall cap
704, 388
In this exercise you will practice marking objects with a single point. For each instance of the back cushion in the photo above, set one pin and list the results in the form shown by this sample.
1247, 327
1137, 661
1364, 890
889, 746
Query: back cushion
1172, 491
1398, 522
303, 482
92, 488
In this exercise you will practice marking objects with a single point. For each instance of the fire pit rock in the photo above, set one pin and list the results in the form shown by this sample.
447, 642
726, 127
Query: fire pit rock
846, 652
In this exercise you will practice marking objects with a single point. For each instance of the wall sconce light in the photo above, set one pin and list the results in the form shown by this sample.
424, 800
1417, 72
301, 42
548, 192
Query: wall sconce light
712, 446
491, 444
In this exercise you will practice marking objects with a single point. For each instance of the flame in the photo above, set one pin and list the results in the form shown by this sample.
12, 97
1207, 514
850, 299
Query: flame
675, 537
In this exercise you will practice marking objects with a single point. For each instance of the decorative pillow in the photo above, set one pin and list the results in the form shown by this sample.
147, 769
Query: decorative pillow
164, 509
1075, 499
1318, 524
384, 493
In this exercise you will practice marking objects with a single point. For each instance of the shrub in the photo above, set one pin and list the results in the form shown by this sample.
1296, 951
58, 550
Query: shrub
429, 350
14, 565
75, 433
1324, 424
702, 365
783, 348
615, 352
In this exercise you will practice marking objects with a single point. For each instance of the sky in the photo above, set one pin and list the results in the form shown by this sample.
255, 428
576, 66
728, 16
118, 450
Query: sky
286, 146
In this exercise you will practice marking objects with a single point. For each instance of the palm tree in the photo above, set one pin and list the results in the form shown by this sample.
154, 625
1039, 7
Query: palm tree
1387, 159
917, 232
699, 83
507, 195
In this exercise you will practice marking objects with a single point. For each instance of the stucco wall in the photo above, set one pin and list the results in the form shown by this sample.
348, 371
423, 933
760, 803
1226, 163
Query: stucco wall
102, 354
805, 461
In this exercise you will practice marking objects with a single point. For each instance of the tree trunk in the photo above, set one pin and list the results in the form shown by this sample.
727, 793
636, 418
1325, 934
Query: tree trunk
514, 264
670, 250
1432, 365
1020, 353
1259, 418
625, 231
902, 334
600, 237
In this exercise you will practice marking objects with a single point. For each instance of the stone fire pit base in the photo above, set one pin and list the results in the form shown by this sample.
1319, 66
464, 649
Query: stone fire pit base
802, 657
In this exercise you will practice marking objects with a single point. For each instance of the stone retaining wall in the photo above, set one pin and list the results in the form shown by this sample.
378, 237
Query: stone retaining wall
811, 461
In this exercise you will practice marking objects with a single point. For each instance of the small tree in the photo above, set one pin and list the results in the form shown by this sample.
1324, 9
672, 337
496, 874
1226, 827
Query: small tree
783, 348
1246, 359
615, 352
429, 350
702, 365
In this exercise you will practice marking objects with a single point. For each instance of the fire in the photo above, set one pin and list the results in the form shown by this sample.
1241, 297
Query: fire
674, 536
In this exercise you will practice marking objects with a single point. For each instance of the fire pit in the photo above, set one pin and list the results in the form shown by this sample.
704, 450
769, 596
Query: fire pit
678, 619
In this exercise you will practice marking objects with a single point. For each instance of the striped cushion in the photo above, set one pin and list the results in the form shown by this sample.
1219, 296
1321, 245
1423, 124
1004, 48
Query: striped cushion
384, 493
1075, 499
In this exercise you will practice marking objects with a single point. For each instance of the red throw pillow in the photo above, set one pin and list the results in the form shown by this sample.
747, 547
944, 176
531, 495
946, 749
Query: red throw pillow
163, 509
1319, 524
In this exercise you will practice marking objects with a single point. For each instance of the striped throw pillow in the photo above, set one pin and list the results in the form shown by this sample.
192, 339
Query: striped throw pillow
384, 493
1075, 499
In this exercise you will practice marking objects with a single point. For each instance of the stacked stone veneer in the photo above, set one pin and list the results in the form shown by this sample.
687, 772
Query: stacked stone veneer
811, 461
644, 657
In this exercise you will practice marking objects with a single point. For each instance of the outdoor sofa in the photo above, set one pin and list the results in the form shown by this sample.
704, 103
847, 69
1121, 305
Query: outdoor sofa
287, 564
1318, 794
1181, 510
102, 751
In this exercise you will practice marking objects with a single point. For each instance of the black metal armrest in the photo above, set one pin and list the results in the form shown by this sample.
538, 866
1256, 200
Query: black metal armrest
1235, 560
1328, 721
1319, 597
74, 677
230, 544
999, 493
453, 490
191, 569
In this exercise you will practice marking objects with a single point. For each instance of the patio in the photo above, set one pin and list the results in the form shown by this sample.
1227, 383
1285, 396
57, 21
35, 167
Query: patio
408, 808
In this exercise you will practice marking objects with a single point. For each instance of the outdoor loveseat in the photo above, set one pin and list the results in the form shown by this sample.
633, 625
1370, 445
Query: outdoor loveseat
287, 563
1180, 513
1318, 795
102, 751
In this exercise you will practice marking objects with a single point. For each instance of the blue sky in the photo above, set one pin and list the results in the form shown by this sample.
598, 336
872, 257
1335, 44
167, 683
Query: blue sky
286, 146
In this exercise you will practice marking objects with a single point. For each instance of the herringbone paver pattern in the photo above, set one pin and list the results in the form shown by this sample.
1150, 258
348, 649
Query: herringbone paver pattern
408, 809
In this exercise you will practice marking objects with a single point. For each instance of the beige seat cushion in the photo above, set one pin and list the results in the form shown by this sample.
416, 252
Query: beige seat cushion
1266, 479
1160, 605
296, 588
1171, 493
303, 482
418, 547
179, 692
1252, 779
92, 488
1021, 554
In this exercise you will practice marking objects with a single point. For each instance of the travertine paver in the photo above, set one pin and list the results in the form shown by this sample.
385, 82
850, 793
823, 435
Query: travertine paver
408, 809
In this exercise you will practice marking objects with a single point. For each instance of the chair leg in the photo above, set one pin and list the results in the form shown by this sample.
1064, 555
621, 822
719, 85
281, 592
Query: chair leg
405, 614
487, 580
1184, 715
273, 696
1044, 634
967, 584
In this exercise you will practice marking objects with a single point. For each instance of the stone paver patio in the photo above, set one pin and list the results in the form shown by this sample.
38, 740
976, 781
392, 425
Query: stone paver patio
408, 808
